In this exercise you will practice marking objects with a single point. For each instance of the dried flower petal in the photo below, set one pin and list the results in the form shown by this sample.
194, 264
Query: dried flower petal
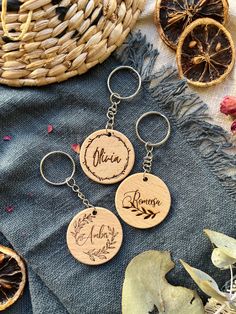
222, 241
233, 127
7, 137
222, 260
206, 283
9, 209
50, 128
76, 148
146, 289
228, 105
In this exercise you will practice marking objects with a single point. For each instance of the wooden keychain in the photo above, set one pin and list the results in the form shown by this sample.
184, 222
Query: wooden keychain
143, 200
107, 156
94, 235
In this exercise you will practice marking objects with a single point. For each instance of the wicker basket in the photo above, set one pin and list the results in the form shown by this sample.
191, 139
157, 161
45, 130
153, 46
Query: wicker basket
47, 41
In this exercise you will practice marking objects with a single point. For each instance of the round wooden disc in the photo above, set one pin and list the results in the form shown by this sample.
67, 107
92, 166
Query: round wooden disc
94, 236
107, 157
143, 204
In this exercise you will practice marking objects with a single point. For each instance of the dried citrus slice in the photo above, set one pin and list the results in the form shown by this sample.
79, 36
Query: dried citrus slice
205, 53
12, 277
173, 16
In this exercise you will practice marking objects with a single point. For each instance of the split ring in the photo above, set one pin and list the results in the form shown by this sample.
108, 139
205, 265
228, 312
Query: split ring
167, 133
57, 153
121, 68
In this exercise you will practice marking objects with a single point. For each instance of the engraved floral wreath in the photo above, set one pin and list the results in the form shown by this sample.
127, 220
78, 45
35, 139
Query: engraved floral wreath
115, 175
93, 253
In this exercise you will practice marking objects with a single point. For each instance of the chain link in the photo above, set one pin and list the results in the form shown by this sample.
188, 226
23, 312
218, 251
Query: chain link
147, 160
75, 188
112, 111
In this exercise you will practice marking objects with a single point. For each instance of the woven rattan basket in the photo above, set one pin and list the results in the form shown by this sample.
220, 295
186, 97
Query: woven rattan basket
47, 41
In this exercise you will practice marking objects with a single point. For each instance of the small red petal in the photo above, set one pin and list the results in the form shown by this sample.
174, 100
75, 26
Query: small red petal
76, 148
228, 105
9, 209
233, 127
7, 137
50, 128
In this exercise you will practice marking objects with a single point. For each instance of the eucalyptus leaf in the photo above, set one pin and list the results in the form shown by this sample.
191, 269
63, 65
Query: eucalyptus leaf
221, 260
220, 240
146, 290
205, 282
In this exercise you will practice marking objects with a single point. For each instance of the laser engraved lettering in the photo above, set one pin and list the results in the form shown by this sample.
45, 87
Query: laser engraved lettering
92, 235
100, 157
87, 233
134, 201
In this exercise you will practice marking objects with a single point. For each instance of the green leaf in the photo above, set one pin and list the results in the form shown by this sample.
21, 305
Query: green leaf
205, 282
145, 288
221, 260
220, 240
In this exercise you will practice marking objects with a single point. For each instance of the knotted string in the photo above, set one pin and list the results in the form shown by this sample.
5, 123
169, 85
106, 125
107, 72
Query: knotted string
4, 26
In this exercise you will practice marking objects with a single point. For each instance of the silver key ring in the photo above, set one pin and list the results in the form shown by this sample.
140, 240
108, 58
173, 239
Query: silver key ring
149, 114
57, 153
121, 68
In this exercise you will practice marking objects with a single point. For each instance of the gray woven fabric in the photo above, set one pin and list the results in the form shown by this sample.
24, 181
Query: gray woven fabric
193, 163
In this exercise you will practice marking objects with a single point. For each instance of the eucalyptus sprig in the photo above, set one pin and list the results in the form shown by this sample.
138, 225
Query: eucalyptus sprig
223, 257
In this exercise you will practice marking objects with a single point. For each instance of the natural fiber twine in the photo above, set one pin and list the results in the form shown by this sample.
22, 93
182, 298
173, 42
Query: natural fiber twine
49, 41
213, 306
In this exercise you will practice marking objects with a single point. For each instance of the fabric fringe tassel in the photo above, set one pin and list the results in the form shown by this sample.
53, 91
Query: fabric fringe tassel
187, 110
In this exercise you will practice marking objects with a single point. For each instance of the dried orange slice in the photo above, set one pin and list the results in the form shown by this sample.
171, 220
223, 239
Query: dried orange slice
12, 277
173, 16
205, 53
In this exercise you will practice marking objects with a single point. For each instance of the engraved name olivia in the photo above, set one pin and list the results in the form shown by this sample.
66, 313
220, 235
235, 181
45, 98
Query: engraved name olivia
135, 199
100, 156
93, 235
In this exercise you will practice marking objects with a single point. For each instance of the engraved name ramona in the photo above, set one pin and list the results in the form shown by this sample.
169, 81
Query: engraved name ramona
134, 198
92, 235
100, 156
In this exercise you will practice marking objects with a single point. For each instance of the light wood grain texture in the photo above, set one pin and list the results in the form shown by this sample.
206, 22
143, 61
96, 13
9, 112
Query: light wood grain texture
143, 204
107, 159
94, 237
